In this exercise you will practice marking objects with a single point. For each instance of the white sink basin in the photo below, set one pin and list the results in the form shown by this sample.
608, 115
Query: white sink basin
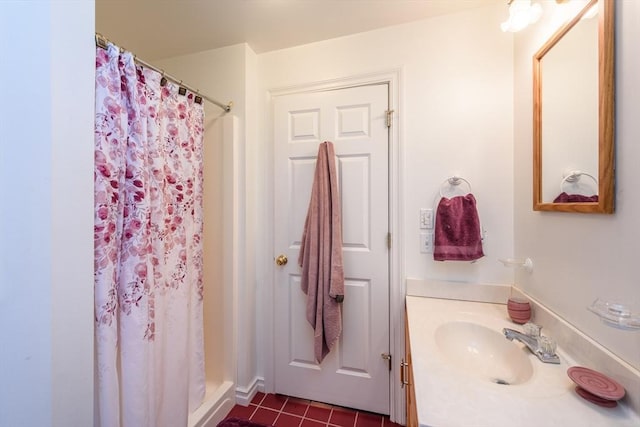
483, 353
459, 356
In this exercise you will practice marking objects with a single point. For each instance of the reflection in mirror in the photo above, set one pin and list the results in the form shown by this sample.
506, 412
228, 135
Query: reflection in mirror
575, 189
573, 115
570, 114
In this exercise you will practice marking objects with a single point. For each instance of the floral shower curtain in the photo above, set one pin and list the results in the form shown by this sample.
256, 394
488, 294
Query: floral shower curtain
148, 247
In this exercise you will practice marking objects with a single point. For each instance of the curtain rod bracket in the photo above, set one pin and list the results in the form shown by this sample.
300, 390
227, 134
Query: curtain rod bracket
101, 41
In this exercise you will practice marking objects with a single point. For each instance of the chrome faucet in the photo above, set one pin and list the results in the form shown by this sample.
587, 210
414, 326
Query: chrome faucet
544, 351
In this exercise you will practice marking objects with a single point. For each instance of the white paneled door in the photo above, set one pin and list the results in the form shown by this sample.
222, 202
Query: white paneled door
355, 373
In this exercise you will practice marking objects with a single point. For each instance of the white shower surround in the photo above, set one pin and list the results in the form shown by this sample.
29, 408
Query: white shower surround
217, 403
221, 355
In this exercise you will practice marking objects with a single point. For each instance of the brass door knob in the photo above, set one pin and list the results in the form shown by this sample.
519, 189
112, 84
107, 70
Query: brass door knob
281, 260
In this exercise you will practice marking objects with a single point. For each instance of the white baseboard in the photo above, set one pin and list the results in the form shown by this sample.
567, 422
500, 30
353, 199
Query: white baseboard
246, 393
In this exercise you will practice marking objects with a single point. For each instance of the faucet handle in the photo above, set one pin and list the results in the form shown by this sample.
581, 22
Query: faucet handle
532, 329
547, 345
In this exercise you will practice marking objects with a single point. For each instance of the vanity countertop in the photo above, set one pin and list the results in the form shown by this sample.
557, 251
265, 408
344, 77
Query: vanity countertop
447, 396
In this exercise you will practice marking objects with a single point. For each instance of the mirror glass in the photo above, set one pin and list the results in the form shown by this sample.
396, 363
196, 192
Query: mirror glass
573, 114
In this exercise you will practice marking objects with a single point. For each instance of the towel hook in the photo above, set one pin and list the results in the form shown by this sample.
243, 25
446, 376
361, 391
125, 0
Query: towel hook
454, 181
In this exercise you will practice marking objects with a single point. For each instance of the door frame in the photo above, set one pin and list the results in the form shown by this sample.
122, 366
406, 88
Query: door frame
397, 287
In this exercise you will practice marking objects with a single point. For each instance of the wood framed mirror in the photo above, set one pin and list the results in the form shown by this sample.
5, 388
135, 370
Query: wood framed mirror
573, 115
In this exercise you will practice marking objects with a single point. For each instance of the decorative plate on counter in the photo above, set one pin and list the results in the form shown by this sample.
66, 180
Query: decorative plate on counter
596, 383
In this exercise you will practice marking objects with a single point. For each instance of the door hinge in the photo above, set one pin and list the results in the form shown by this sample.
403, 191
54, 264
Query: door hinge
389, 118
389, 240
387, 357
403, 373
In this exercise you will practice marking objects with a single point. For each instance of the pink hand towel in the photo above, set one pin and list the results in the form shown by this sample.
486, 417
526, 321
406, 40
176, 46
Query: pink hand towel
321, 255
457, 231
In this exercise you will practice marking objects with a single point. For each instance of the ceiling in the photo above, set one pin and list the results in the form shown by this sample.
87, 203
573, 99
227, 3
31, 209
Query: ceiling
155, 29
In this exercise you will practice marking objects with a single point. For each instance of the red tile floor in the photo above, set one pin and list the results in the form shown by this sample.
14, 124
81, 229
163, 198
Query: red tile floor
283, 411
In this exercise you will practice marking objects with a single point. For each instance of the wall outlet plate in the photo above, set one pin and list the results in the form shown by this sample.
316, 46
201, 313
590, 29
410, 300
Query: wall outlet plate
426, 242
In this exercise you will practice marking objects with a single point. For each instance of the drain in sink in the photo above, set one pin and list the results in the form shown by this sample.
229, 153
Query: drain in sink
501, 382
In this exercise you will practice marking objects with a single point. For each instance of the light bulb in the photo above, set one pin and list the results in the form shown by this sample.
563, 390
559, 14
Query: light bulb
521, 14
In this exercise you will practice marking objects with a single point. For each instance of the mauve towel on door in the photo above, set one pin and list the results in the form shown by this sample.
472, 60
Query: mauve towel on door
457, 231
321, 255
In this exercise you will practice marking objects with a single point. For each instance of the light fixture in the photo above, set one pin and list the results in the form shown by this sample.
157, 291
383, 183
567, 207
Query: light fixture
567, 10
521, 14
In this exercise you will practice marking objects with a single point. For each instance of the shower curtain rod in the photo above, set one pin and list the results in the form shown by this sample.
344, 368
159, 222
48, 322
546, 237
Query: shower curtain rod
101, 41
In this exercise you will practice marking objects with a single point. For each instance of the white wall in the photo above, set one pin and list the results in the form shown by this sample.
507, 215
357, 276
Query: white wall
577, 257
455, 114
456, 117
254, 226
46, 214
452, 124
